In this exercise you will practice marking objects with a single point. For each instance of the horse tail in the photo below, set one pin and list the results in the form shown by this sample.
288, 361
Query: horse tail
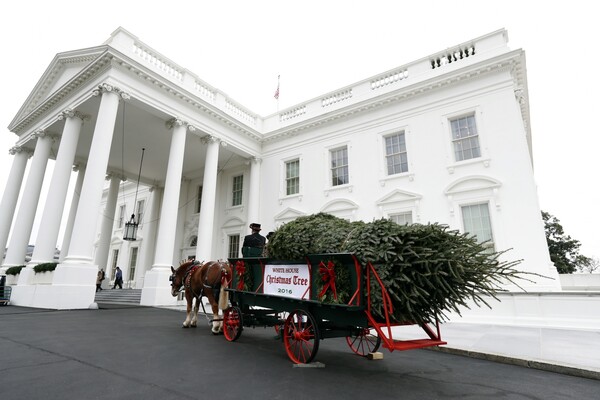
224, 294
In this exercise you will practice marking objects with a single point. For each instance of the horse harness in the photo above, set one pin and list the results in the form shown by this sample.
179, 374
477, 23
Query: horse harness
187, 279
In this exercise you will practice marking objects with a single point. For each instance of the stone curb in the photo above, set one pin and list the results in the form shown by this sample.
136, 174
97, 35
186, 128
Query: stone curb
544, 366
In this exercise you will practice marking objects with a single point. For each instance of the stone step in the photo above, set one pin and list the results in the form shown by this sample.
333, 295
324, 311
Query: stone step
119, 296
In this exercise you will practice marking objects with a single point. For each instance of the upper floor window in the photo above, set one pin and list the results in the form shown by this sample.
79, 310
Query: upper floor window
404, 218
238, 187
476, 221
121, 215
339, 167
395, 154
465, 138
199, 203
140, 211
292, 177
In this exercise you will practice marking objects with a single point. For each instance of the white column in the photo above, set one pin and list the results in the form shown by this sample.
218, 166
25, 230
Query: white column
254, 191
84, 229
149, 242
47, 237
15, 255
206, 219
107, 222
11, 194
74, 282
64, 249
156, 283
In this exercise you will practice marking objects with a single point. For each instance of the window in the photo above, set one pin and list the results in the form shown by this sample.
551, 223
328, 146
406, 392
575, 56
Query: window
339, 167
113, 267
234, 246
238, 186
199, 203
476, 220
404, 218
132, 262
194, 241
121, 215
140, 211
465, 138
292, 177
395, 154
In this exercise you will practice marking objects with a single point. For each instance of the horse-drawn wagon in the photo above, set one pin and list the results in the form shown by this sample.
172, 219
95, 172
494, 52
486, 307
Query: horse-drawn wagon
289, 296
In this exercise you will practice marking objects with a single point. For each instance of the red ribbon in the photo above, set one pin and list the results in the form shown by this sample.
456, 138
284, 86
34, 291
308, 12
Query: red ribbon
240, 268
328, 277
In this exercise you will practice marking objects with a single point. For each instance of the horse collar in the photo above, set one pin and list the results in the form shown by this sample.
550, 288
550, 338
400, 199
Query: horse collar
188, 274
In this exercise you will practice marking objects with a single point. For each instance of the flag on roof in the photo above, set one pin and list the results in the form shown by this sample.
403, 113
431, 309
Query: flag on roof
277, 91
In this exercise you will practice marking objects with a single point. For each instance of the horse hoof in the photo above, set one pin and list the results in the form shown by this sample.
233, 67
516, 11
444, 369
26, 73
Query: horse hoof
192, 326
184, 326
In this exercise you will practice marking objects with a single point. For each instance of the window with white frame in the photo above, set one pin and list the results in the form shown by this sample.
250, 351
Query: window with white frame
121, 216
465, 138
339, 166
113, 268
292, 177
403, 218
395, 153
238, 187
140, 211
476, 221
234, 246
199, 202
133, 255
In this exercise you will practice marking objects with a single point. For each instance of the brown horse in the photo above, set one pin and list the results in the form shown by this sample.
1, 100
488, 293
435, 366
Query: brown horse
208, 279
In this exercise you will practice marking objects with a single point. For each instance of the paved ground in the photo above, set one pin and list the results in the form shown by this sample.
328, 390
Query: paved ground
143, 353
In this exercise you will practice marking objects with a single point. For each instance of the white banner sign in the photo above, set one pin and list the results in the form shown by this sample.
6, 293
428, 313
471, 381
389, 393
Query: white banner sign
287, 280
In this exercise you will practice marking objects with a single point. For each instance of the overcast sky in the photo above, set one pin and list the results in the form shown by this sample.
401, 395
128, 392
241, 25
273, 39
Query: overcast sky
241, 47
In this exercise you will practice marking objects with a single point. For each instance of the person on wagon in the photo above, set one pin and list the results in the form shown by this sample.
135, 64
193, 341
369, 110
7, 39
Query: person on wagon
254, 243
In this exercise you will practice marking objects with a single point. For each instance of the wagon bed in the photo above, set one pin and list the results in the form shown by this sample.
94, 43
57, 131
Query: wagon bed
263, 293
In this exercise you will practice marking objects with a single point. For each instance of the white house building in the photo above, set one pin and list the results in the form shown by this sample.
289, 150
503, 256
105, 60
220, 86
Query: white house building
445, 139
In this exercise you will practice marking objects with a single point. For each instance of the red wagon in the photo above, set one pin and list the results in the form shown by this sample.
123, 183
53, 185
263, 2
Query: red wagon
289, 296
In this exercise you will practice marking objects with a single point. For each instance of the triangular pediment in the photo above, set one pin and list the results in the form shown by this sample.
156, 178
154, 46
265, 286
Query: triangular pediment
63, 68
471, 183
234, 222
289, 214
398, 196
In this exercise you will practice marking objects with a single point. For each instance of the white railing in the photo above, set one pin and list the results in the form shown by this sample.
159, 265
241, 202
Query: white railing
204, 91
389, 79
336, 98
240, 112
449, 57
157, 61
293, 113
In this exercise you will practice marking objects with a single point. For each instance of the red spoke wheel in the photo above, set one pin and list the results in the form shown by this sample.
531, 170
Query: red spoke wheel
232, 323
364, 342
301, 337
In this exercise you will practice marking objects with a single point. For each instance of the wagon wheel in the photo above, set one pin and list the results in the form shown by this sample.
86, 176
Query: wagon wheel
232, 323
364, 342
301, 337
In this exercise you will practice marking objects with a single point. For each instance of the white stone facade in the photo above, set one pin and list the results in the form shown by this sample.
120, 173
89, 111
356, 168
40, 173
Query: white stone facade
108, 102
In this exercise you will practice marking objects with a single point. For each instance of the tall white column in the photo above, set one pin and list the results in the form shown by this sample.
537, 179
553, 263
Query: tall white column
107, 222
149, 242
74, 282
254, 191
17, 248
206, 219
11, 193
84, 229
47, 237
64, 249
156, 284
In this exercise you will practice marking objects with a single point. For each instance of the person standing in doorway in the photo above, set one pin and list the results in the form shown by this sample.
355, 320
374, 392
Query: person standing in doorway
99, 280
254, 243
118, 279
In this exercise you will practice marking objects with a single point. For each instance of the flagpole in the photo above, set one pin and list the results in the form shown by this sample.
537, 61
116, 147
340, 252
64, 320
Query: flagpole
277, 92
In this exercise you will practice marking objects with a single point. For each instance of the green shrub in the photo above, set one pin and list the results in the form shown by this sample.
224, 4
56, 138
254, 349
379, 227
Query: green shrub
45, 267
14, 270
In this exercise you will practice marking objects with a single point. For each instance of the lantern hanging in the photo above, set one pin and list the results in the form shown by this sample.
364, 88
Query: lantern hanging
131, 227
